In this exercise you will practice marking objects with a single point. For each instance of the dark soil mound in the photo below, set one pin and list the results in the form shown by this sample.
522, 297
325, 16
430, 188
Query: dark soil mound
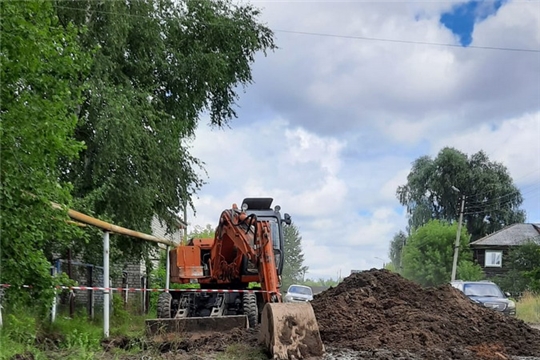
379, 309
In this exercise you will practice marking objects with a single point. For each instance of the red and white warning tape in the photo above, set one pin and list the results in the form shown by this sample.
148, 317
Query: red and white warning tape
141, 289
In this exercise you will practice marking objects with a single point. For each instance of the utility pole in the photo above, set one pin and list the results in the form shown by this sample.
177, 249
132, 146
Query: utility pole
458, 235
401, 256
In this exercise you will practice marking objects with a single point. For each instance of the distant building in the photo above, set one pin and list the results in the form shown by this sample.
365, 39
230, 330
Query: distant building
491, 251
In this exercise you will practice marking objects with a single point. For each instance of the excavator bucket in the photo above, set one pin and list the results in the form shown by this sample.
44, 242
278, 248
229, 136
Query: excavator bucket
290, 331
196, 324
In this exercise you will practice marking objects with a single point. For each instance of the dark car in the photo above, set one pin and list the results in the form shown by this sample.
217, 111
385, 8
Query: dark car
487, 294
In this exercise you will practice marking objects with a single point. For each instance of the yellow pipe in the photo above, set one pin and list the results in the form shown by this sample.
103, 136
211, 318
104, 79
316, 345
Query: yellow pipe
113, 228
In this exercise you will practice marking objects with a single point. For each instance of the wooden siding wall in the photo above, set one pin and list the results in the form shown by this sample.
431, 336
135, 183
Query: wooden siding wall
479, 256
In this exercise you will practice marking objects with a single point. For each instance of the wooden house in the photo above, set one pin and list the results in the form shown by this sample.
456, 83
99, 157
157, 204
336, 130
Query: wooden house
491, 251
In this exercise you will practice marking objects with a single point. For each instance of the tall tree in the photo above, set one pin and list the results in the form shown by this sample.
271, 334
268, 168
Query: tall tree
428, 255
158, 65
396, 249
523, 268
40, 63
293, 268
492, 199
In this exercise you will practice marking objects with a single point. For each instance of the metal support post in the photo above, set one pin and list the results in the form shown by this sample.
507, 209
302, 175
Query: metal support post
143, 302
71, 293
125, 285
458, 235
106, 284
167, 270
54, 304
90, 281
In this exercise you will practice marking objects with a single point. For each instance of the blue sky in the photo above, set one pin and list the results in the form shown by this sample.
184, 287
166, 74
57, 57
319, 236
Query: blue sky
331, 125
463, 16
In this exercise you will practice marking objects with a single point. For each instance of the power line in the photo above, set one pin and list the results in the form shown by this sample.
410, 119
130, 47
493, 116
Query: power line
482, 208
352, 37
492, 200
408, 41
486, 193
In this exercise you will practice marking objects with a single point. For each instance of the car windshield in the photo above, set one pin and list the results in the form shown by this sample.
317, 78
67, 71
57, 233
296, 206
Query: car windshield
300, 290
482, 290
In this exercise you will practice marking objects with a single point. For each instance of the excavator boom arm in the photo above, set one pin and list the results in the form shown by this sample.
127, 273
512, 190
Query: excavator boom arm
251, 238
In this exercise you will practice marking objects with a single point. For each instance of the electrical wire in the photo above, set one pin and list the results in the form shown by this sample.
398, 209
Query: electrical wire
408, 41
352, 37
495, 200
487, 194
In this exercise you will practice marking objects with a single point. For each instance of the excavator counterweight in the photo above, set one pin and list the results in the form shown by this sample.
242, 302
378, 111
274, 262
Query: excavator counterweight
247, 249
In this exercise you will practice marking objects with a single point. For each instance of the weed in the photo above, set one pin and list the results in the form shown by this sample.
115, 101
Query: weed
241, 352
528, 308
25, 335
21, 329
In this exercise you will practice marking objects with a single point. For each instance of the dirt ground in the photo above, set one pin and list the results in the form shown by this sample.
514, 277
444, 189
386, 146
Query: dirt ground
380, 311
376, 315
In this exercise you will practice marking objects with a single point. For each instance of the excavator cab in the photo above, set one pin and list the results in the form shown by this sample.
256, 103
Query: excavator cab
247, 249
261, 208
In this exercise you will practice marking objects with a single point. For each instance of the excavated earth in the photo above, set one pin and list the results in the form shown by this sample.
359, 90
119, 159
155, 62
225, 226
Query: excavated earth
375, 314
379, 314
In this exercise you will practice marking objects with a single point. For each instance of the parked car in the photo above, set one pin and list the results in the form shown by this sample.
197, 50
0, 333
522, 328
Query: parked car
298, 293
487, 294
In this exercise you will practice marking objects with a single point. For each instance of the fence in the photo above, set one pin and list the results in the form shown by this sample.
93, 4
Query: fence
106, 280
76, 301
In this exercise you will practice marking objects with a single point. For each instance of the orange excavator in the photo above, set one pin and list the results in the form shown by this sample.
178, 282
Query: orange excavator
248, 248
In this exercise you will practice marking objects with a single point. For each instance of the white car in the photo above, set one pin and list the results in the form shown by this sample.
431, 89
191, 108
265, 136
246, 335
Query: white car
298, 293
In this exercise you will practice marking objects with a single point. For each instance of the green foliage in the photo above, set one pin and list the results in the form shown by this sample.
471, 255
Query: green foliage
202, 232
487, 185
293, 268
396, 246
242, 352
390, 266
428, 255
322, 282
468, 270
159, 65
523, 269
26, 332
41, 64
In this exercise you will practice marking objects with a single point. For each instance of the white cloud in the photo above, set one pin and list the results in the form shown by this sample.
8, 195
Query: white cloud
303, 172
515, 143
349, 116
335, 85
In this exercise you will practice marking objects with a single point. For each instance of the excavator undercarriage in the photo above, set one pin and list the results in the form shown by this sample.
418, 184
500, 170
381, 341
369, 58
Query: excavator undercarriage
248, 248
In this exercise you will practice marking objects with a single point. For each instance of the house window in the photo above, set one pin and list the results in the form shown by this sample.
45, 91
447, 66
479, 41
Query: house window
493, 258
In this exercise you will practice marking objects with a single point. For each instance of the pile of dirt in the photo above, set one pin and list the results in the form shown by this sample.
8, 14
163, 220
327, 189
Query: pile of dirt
378, 309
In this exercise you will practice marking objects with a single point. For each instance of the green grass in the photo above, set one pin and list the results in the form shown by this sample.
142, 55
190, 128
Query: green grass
67, 338
79, 338
241, 352
528, 308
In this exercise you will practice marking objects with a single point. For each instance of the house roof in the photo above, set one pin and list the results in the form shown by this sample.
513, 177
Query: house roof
515, 234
